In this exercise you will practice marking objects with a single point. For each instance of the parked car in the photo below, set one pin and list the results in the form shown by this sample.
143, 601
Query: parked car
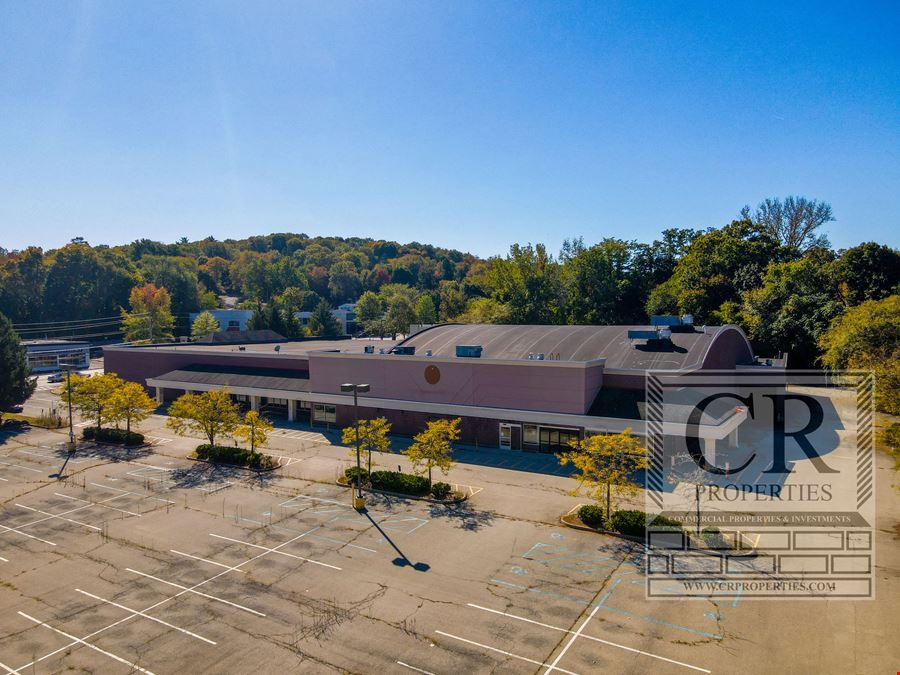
56, 377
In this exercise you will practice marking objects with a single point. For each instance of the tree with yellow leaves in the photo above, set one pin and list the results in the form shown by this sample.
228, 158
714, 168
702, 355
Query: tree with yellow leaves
432, 447
254, 429
606, 465
212, 413
130, 402
373, 437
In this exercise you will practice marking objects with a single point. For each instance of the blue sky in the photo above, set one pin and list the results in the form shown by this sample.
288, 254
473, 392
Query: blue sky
471, 125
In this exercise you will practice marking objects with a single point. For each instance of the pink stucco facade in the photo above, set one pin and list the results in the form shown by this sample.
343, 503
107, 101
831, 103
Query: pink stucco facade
526, 385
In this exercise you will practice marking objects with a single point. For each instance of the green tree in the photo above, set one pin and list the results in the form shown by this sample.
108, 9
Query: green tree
425, 311
211, 413
178, 274
323, 322
485, 310
84, 283
203, 325
867, 337
254, 429
606, 466
130, 403
399, 315
528, 282
869, 271
432, 447
716, 268
369, 309
793, 307
343, 282
150, 318
22, 279
15, 384
373, 437
453, 300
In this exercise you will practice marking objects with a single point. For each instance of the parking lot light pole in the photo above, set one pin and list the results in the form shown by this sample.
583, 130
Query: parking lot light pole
70, 446
359, 501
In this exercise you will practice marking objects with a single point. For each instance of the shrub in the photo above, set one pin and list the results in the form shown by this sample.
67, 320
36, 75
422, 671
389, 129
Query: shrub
234, 455
120, 436
629, 522
592, 516
394, 481
713, 538
634, 522
350, 474
440, 490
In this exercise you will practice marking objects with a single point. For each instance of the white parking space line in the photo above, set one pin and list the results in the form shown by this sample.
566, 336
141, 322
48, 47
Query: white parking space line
572, 639
272, 550
87, 644
146, 616
418, 670
7, 668
188, 589
25, 534
52, 515
4, 479
317, 499
3, 559
588, 637
505, 653
211, 562
88, 503
19, 466
160, 603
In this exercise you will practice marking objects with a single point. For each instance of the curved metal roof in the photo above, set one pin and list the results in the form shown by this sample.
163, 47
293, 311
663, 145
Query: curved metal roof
571, 343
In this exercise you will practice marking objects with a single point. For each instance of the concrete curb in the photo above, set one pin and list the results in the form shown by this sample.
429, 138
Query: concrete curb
585, 528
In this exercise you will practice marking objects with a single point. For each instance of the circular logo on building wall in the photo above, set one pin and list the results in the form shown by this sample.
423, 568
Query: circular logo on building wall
432, 375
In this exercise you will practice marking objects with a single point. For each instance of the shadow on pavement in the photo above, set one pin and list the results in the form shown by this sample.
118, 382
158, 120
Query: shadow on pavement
462, 515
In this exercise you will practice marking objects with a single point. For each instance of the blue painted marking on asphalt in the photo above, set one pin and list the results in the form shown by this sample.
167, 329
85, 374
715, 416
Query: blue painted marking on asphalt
519, 570
651, 619
736, 598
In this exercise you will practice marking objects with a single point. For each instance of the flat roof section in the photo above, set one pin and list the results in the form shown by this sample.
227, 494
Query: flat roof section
569, 343
233, 376
297, 348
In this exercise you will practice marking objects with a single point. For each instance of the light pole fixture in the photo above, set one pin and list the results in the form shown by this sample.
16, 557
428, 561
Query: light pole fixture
359, 501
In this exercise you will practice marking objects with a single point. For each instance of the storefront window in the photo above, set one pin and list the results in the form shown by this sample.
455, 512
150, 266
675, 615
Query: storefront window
322, 412
530, 434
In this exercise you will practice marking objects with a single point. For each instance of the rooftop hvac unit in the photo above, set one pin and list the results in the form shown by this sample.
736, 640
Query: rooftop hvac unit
687, 319
540, 357
381, 350
665, 334
664, 320
427, 352
403, 350
530, 356
468, 351
369, 349
641, 334
277, 348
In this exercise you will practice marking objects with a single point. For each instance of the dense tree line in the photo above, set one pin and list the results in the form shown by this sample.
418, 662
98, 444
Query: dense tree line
771, 271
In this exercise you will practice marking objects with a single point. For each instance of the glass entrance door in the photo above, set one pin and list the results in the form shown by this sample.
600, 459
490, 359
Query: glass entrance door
505, 436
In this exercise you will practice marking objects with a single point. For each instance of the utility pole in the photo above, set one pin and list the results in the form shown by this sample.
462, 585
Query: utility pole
150, 327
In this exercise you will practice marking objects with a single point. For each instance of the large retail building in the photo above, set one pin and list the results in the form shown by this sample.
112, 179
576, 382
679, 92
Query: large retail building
516, 387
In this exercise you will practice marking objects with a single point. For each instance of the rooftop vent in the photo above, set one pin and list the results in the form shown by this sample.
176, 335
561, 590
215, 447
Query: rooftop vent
468, 351
277, 348
427, 352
